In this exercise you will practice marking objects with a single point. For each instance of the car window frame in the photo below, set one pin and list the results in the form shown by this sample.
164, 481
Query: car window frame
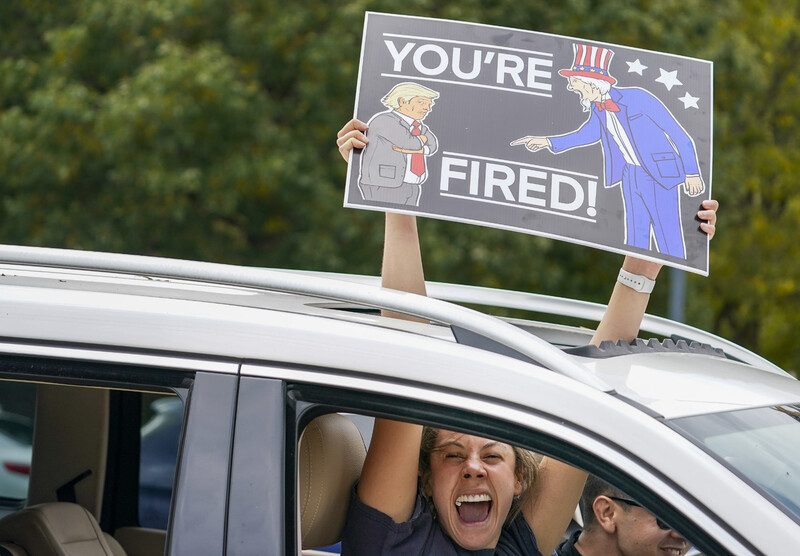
198, 521
307, 401
260, 496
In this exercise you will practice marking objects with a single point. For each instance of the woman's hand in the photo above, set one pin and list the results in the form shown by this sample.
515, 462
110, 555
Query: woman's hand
351, 136
708, 217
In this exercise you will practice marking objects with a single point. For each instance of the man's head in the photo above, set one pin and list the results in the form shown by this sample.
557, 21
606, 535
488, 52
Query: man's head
472, 482
589, 89
616, 525
411, 99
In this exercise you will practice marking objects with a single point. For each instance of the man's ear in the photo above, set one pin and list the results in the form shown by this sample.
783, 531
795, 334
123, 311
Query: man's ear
605, 511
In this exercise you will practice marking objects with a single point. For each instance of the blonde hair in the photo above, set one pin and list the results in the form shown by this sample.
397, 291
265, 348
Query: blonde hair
526, 465
407, 91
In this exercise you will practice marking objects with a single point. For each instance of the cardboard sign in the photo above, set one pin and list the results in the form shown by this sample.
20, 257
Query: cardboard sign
571, 139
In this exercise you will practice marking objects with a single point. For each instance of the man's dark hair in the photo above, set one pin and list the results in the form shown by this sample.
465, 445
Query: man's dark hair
595, 487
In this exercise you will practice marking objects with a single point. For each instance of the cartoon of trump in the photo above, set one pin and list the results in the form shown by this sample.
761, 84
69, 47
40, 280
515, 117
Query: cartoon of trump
393, 165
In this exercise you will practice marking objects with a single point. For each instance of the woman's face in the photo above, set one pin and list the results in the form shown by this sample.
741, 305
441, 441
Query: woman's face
472, 482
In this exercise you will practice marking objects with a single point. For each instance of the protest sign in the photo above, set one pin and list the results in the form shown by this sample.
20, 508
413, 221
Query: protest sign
587, 142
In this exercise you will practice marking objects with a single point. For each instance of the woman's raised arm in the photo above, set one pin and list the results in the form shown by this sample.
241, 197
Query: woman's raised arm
389, 477
388, 480
559, 486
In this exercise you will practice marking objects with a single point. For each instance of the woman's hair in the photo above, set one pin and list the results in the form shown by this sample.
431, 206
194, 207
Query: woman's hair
526, 465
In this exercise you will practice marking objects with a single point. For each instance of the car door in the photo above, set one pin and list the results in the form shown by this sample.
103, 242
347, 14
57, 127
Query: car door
90, 409
296, 396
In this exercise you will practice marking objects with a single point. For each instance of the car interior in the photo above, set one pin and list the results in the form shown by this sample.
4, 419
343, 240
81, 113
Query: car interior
71, 470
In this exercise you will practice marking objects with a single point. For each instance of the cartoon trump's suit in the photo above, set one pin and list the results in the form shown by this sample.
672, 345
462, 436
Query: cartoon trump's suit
393, 165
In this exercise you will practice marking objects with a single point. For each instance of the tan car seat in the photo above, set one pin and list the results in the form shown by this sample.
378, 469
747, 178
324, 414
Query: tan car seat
331, 454
55, 529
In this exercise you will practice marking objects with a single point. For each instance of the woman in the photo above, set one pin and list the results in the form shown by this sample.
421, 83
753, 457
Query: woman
442, 493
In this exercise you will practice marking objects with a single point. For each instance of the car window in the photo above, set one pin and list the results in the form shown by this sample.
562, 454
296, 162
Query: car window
106, 438
641, 503
652, 529
161, 417
762, 445
17, 406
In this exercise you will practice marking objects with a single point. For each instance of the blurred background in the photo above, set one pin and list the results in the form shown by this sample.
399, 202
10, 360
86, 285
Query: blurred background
205, 129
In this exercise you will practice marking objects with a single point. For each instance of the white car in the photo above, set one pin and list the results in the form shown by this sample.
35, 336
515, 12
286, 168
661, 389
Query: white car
702, 432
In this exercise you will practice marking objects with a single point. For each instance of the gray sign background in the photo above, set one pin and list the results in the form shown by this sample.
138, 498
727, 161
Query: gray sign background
480, 112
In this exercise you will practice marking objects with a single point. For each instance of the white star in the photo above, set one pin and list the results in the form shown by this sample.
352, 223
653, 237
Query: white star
668, 78
689, 101
636, 67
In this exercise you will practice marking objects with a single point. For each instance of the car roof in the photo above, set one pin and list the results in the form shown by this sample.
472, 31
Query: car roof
233, 314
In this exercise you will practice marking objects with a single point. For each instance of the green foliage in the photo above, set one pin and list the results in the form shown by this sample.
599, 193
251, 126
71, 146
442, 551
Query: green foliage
205, 129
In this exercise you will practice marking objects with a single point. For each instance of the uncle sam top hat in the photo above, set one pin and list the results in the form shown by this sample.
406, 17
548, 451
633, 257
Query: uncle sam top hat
590, 61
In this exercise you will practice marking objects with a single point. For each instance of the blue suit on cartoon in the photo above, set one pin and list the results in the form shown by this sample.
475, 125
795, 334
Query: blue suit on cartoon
662, 156
645, 150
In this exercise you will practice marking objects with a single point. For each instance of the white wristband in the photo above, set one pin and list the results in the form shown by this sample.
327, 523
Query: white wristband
636, 282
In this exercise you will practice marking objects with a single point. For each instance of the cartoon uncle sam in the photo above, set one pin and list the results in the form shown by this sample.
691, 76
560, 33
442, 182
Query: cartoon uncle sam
645, 150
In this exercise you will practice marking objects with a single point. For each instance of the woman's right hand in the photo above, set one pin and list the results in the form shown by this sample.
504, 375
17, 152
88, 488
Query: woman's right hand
350, 137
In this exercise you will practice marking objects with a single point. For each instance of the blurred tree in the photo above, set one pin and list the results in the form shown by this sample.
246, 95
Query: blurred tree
204, 129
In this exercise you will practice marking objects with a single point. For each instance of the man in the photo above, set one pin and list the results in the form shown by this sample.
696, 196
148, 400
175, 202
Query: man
393, 167
644, 149
616, 525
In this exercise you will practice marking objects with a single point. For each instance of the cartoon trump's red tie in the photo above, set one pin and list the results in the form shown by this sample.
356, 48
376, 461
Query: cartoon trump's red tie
417, 159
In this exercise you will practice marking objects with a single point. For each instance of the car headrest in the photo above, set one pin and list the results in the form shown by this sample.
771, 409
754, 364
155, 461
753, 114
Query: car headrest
55, 529
331, 454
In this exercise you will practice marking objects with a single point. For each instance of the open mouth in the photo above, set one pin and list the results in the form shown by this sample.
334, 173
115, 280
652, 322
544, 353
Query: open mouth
474, 508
